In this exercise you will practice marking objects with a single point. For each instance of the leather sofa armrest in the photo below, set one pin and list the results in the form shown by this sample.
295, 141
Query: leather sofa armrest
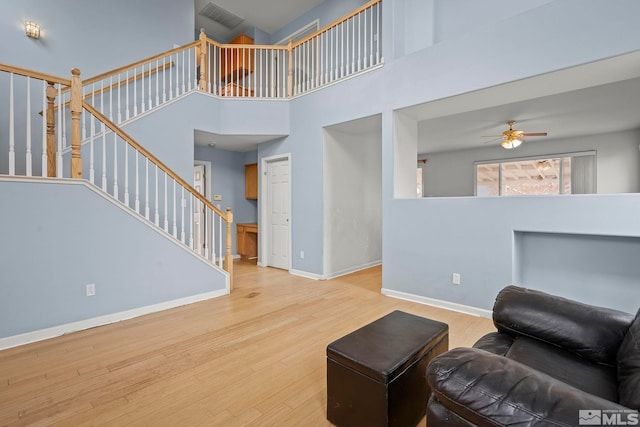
589, 331
490, 390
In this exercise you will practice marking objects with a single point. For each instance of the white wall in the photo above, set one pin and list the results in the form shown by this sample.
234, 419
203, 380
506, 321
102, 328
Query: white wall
618, 163
353, 201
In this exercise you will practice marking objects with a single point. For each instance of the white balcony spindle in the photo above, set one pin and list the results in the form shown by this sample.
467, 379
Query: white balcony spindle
158, 82
359, 41
45, 159
183, 76
170, 81
110, 98
377, 34
119, 101
371, 50
59, 151
28, 158
12, 133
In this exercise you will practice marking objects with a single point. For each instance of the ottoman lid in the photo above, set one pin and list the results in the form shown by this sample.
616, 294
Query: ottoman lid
386, 347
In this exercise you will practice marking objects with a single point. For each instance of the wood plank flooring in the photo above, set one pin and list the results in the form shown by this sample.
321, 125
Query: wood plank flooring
254, 358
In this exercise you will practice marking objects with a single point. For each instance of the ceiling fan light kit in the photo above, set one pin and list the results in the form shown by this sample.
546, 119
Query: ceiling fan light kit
513, 138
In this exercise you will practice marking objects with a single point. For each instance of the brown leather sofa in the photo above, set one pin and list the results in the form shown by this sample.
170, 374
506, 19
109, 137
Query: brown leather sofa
552, 361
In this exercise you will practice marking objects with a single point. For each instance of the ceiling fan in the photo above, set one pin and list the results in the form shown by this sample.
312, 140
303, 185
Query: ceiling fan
512, 138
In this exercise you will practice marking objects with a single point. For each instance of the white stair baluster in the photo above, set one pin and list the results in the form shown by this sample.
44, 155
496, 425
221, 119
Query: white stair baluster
126, 93
182, 206
220, 252
29, 160
104, 159
191, 221
119, 101
115, 166
170, 81
135, 93
157, 213
175, 225
149, 104
189, 73
126, 175
146, 189
44, 129
158, 82
91, 153
110, 98
166, 204
164, 80
12, 136
137, 200
142, 100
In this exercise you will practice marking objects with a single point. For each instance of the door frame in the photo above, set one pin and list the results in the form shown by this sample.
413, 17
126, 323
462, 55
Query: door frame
264, 202
207, 194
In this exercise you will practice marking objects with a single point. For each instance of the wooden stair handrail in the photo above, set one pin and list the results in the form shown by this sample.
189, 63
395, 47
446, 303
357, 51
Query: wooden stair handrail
337, 22
115, 129
35, 74
135, 64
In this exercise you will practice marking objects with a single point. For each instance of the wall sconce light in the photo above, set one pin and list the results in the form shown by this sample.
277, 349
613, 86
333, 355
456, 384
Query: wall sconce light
32, 29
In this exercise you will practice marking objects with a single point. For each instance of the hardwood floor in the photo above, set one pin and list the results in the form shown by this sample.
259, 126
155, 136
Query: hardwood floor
256, 357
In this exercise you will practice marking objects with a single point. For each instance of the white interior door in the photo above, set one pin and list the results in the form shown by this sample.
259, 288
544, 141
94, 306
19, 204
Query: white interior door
199, 220
278, 215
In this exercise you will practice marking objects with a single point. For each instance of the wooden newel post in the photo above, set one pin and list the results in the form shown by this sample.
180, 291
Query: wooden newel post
290, 73
51, 130
76, 110
202, 47
228, 256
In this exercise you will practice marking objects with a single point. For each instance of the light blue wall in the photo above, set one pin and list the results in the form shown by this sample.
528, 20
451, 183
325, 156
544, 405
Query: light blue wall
326, 12
58, 237
475, 236
94, 36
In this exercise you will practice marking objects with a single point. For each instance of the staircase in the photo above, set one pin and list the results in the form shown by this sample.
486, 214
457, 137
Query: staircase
68, 132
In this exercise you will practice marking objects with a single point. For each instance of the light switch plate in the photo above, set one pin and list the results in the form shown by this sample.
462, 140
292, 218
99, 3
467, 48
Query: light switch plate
217, 197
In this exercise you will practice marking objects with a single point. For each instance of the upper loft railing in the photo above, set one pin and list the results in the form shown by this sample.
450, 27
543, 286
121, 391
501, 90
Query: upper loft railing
350, 45
41, 111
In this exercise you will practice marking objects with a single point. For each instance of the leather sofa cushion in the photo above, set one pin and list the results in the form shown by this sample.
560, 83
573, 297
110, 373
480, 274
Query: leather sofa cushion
589, 331
590, 377
629, 366
495, 342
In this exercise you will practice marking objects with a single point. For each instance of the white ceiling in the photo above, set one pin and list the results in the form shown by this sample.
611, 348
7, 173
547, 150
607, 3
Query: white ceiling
267, 15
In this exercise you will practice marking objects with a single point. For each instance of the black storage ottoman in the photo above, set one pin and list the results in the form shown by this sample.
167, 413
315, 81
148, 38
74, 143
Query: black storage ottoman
376, 374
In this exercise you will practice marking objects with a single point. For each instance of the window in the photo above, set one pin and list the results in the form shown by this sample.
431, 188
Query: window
566, 174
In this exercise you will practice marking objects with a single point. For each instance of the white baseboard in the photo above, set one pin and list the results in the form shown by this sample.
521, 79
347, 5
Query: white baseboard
56, 331
306, 274
352, 270
480, 312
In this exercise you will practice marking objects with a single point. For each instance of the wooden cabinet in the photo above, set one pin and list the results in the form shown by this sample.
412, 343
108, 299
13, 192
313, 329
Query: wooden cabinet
247, 240
236, 63
251, 181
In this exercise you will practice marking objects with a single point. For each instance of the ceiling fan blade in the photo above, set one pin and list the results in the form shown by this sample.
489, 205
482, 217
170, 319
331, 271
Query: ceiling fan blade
535, 134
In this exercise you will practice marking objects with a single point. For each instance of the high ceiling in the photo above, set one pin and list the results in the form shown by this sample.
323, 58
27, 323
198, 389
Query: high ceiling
266, 15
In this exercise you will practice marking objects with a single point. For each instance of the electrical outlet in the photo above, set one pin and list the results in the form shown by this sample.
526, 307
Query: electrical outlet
455, 279
301, 254
91, 289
